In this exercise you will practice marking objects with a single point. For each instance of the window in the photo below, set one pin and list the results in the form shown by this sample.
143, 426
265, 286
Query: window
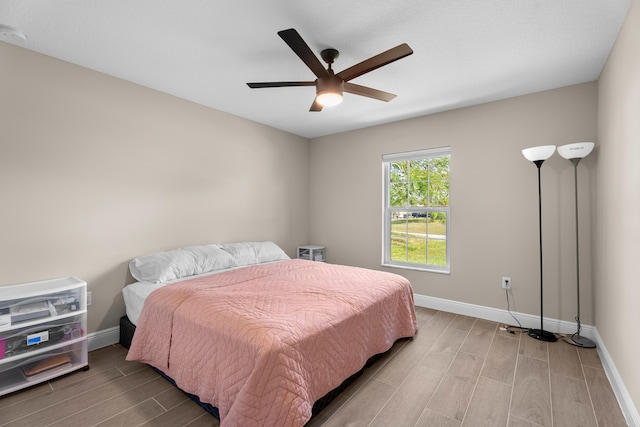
416, 209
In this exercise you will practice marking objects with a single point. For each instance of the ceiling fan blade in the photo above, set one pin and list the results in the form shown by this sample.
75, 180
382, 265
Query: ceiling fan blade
368, 92
279, 84
375, 62
316, 106
302, 49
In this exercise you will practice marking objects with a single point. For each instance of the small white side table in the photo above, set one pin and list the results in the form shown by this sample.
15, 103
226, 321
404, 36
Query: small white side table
312, 253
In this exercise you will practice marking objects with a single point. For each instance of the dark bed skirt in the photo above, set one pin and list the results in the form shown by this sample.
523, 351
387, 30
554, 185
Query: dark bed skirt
127, 330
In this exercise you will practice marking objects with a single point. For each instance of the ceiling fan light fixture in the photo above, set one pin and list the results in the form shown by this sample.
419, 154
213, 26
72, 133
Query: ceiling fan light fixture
329, 91
329, 99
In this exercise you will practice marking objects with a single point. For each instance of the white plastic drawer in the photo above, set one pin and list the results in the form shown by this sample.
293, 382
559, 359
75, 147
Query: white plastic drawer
16, 312
17, 373
18, 342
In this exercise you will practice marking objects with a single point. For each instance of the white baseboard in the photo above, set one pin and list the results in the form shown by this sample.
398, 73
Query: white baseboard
629, 410
502, 316
103, 338
552, 325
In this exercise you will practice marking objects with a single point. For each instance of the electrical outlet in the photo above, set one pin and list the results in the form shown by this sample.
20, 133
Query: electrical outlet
88, 299
506, 282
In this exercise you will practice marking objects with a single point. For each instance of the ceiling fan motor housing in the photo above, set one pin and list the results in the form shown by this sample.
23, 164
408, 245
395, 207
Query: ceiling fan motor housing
329, 84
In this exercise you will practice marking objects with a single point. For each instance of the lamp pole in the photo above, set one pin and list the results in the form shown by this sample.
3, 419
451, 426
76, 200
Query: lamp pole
574, 153
538, 155
541, 334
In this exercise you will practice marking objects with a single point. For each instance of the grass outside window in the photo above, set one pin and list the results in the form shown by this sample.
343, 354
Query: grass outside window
409, 241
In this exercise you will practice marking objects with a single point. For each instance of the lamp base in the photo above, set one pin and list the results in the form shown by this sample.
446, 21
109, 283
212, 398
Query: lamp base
542, 335
580, 341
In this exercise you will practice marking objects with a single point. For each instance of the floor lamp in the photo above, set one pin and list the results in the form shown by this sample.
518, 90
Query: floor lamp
538, 155
574, 153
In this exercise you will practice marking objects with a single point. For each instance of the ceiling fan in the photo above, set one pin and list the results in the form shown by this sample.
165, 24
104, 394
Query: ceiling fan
330, 86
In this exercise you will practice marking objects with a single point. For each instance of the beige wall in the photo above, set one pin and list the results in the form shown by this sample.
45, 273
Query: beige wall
494, 203
95, 170
618, 228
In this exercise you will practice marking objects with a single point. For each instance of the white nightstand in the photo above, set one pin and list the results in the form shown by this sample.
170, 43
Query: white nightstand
312, 253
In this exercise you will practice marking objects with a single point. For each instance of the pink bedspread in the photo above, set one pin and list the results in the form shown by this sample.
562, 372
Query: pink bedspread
263, 343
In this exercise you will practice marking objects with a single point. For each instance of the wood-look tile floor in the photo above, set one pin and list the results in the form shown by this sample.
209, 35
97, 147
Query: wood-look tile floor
457, 371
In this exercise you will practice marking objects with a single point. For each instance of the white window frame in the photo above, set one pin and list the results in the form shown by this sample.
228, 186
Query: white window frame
387, 159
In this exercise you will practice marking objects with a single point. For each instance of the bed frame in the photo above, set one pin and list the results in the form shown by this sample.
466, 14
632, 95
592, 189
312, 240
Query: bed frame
127, 329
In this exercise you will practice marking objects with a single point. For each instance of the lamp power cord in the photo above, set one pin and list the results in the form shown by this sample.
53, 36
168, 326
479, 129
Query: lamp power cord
509, 328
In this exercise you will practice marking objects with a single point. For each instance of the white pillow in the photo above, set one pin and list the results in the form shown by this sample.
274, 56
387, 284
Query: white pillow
162, 266
242, 253
269, 252
210, 258
175, 264
247, 253
178, 263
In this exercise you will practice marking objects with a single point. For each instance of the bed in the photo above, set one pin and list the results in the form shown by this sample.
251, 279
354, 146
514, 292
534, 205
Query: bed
256, 335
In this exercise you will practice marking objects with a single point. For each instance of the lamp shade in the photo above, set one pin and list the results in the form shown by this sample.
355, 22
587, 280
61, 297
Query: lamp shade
542, 152
578, 150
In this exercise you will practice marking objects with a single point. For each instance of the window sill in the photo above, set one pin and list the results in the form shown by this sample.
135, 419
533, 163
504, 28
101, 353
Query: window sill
416, 268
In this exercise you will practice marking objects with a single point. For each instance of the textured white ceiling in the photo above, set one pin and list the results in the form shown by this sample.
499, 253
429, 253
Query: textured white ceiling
466, 52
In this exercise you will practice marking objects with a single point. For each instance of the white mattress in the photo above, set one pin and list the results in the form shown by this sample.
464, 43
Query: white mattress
136, 293
134, 296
